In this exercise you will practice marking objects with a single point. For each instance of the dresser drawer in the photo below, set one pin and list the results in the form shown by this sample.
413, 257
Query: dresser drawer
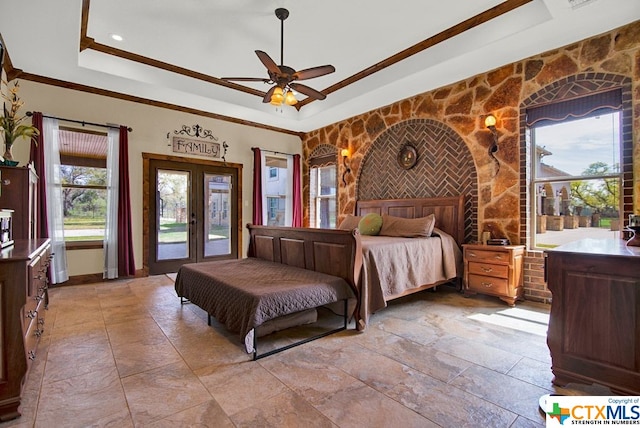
487, 256
488, 284
499, 271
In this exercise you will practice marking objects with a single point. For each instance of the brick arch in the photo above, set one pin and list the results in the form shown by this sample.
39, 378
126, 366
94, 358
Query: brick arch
445, 167
576, 86
324, 150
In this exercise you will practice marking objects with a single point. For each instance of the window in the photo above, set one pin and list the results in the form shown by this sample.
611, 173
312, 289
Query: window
322, 196
276, 190
83, 168
576, 174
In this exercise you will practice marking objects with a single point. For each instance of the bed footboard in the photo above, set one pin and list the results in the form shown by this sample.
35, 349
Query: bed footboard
331, 251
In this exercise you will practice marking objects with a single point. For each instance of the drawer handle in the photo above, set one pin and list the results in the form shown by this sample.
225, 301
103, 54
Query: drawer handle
486, 269
38, 298
32, 355
487, 284
498, 257
31, 314
38, 332
41, 321
472, 254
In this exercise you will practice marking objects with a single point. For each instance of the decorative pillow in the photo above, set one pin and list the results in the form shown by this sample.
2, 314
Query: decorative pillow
370, 224
350, 222
407, 227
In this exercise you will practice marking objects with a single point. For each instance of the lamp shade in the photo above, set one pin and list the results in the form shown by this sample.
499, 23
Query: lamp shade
290, 99
345, 153
277, 97
490, 121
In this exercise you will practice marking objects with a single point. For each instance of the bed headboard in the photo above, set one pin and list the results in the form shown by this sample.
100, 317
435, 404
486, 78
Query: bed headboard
448, 211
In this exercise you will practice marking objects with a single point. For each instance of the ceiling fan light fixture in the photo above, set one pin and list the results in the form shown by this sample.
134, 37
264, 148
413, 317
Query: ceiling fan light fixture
290, 98
277, 97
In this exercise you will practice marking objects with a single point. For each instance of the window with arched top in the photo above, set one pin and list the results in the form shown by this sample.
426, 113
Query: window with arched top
576, 172
323, 187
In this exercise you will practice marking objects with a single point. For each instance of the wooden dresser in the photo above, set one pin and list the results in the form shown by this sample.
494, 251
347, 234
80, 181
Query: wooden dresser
594, 328
23, 300
18, 188
495, 270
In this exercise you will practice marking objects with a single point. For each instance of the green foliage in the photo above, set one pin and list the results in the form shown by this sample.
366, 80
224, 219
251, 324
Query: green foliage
601, 195
11, 123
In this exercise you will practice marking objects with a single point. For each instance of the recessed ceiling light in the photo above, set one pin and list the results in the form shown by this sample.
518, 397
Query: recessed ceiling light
116, 37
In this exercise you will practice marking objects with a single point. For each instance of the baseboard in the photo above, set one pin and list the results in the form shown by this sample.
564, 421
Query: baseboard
93, 278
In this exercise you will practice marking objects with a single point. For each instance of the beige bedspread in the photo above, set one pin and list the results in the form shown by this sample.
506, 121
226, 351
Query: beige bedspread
392, 265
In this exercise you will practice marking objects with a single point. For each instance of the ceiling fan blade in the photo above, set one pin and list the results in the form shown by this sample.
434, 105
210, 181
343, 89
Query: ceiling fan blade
310, 73
310, 92
268, 62
267, 96
246, 79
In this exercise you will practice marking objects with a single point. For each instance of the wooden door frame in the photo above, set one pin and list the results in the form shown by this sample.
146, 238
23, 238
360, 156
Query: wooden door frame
146, 194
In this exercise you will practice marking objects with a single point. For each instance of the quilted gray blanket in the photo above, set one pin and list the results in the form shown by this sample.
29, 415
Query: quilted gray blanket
242, 294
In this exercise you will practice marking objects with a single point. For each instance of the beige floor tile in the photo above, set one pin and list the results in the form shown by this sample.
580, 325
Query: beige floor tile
158, 393
362, 406
449, 406
501, 390
478, 353
534, 372
95, 398
284, 410
428, 360
311, 379
137, 357
238, 386
207, 414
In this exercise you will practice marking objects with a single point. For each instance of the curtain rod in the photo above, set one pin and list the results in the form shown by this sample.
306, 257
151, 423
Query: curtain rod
82, 122
273, 151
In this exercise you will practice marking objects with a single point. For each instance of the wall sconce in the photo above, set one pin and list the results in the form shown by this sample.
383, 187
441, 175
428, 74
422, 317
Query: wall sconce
490, 122
347, 167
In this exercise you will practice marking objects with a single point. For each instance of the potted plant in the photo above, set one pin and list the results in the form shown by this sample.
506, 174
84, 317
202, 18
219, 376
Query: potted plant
11, 124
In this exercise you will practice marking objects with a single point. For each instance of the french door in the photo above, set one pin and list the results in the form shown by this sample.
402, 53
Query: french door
193, 213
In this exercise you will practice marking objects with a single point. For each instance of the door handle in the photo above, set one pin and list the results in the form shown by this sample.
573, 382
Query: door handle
193, 218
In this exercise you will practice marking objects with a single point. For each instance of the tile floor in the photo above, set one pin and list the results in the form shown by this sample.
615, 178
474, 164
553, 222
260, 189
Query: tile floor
127, 353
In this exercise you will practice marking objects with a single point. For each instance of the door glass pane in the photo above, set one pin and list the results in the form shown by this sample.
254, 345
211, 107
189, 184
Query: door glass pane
173, 214
217, 215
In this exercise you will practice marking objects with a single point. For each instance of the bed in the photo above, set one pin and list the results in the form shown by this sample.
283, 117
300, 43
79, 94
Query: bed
291, 270
288, 271
395, 266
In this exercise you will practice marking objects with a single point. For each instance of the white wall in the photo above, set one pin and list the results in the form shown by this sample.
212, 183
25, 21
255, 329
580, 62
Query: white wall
150, 127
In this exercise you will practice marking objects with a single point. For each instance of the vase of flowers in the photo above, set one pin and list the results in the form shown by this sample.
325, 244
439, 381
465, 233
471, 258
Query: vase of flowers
11, 125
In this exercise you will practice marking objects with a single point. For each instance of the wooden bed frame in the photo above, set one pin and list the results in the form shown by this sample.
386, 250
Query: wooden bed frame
332, 251
448, 212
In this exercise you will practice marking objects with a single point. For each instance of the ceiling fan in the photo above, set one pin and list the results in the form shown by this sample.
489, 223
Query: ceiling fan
283, 78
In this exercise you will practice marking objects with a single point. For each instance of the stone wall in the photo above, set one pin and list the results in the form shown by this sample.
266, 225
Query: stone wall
501, 183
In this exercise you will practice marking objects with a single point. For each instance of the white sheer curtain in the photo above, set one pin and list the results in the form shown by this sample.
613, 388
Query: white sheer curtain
111, 228
53, 191
288, 210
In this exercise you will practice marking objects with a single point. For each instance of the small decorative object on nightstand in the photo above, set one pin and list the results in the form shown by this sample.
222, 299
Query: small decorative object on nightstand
494, 270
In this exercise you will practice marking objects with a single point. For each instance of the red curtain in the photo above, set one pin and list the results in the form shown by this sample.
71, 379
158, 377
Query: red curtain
257, 186
297, 193
126, 262
36, 156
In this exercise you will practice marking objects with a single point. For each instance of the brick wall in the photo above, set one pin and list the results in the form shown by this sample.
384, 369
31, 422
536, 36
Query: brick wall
501, 183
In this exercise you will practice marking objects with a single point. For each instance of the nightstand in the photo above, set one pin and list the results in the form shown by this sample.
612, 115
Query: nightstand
495, 270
